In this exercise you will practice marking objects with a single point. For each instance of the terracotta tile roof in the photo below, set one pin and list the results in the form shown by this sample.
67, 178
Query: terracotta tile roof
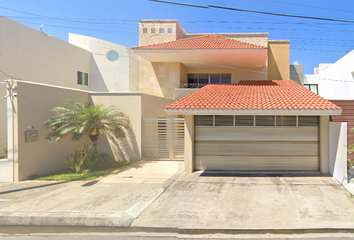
206, 42
253, 95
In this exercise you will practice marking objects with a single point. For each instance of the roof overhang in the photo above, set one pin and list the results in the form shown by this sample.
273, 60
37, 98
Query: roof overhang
205, 58
313, 112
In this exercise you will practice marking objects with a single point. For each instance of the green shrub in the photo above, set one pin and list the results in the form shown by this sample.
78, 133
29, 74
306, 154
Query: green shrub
84, 160
4, 151
77, 159
99, 161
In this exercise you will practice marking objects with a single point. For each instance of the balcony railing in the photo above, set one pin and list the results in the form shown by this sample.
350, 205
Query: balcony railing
192, 85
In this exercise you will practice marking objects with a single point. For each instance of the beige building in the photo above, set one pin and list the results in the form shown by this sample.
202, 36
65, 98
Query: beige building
172, 59
167, 65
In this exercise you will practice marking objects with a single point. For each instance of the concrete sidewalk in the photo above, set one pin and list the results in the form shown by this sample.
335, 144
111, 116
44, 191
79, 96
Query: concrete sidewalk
114, 200
154, 195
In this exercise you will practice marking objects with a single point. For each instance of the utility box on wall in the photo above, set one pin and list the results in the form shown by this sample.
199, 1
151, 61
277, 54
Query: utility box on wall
31, 135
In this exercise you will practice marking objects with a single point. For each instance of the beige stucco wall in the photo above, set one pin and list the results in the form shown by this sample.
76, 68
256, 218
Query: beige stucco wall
136, 106
189, 143
128, 149
110, 76
324, 144
278, 60
152, 106
3, 118
29, 55
157, 37
160, 79
32, 108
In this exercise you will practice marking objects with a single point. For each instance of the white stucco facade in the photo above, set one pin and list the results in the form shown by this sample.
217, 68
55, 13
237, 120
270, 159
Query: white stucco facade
120, 75
336, 81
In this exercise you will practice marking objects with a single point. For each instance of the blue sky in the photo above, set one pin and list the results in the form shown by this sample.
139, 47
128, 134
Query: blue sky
311, 41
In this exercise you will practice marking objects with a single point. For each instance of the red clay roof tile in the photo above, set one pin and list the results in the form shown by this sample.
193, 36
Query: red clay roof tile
261, 95
206, 42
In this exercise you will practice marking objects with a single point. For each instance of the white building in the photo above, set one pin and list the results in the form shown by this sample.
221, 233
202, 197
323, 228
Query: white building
334, 81
30, 55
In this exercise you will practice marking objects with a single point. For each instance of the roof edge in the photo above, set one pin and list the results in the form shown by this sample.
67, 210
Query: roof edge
314, 112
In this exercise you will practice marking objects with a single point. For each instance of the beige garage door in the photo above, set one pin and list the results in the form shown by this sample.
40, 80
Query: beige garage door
256, 143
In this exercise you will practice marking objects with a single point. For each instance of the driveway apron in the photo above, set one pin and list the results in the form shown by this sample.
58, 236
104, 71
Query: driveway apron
241, 200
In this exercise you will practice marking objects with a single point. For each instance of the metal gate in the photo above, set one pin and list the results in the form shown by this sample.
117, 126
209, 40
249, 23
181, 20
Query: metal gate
163, 139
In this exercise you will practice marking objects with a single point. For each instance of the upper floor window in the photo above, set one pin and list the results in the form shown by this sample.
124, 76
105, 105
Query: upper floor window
202, 79
83, 78
312, 87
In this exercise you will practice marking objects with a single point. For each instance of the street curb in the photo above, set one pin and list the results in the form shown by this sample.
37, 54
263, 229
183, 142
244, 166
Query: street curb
85, 219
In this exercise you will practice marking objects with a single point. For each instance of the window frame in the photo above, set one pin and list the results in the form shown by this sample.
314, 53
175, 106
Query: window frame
309, 85
82, 78
199, 84
253, 120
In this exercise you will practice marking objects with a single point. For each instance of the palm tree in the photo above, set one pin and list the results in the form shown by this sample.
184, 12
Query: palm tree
86, 119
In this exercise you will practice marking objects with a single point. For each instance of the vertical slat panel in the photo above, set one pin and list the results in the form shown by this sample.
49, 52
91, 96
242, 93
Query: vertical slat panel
163, 139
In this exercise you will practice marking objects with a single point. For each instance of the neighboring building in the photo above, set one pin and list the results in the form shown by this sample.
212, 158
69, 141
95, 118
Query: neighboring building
297, 73
30, 55
334, 81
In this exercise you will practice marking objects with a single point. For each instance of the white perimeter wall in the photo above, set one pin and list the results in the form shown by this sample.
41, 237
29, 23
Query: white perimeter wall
337, 81
338, 151
29, 55
110, 76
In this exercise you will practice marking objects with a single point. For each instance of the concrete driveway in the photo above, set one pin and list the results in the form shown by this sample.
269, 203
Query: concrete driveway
114, 200
231, 200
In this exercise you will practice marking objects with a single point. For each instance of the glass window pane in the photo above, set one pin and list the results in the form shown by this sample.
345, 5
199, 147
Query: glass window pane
314, 88
225, 78
79, 78
214, 78
308, 121
265, 120
307, 86
86, 79
286, 120
203, 120
246, 120
224, 120
192, 78
204, 78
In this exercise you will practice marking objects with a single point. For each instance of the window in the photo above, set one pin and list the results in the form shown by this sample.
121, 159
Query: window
145, 30
312, 87
308, 121
246, 120
207, 120
112, 56
286, 120
200, 80
162, 30
170, 30
153, 30
256, 120
265, 121
224, 120
83, 78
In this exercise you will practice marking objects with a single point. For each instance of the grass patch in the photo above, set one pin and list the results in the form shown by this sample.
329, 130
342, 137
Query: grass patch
66, 175
350, 196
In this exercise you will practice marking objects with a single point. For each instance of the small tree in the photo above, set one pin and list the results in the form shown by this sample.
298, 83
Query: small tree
86, 119
350, 150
